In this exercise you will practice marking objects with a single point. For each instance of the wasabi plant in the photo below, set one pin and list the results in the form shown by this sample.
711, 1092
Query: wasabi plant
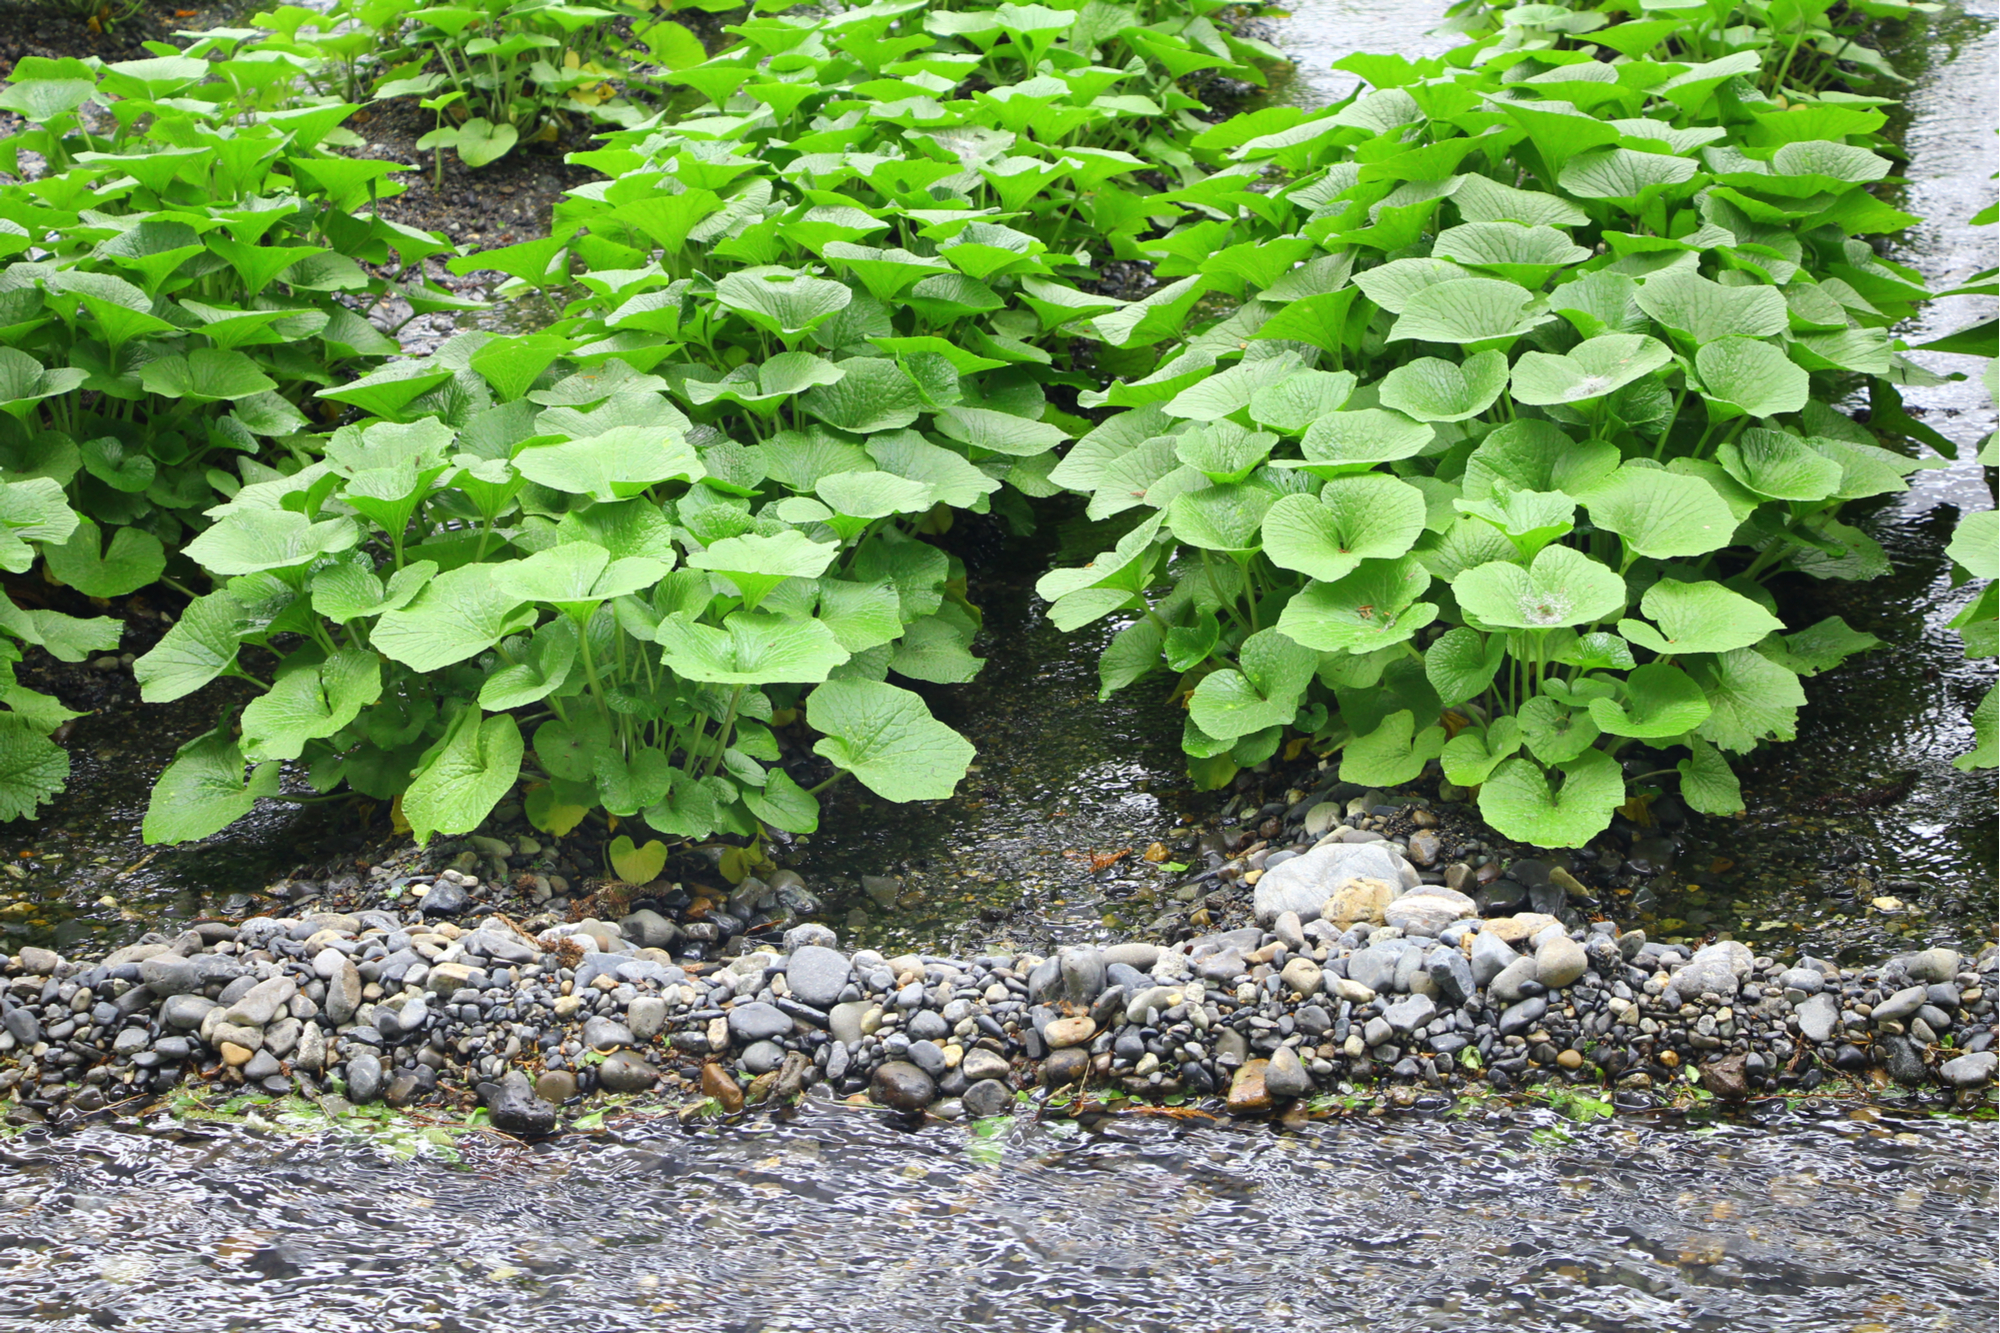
1493, 463
173, 289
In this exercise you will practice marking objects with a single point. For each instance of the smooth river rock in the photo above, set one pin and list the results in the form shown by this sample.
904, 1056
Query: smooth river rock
1304, 883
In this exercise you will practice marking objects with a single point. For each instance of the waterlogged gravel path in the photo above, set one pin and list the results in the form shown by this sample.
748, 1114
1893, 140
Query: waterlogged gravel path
1359, 960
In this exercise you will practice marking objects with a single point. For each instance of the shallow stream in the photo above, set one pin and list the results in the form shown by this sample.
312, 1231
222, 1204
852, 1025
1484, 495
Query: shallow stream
1837, 1223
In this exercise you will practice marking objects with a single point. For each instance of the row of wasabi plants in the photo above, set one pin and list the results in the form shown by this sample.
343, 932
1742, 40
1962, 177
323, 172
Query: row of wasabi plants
1465, 420
1542, 387
620, 557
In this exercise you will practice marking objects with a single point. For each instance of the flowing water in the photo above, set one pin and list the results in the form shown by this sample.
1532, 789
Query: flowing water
836, 1220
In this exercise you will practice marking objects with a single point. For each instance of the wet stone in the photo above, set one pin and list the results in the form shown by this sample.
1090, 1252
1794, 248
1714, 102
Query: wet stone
719, 1084
1901, 1058
513, 1106
1970, 1071
988, 1097
981, 1064
1285, 1075
364, 1077
1451, 974
625, 1071
1249, 1094
1900, 1006
902, 1085
1818, 1017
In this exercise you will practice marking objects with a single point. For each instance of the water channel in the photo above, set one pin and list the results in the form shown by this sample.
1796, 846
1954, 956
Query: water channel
1813, 1218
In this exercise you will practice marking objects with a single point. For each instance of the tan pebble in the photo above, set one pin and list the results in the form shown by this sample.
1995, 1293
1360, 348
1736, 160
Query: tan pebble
1069, 1032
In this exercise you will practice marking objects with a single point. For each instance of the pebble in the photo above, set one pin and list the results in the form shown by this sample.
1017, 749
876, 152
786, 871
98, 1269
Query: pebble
717, 1083
1286, 1076
1064, 1032
1248, 1092
903, 1086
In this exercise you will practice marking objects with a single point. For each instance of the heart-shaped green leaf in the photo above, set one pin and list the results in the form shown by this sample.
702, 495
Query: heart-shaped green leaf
1778, 466
1519, 802
1533, 455
201, 646
1470, 757
751, 648
136, 558
474, 767
888, 739
1707, 783
204, 790
757, 564
454, 616
618, 464
1346, 442
1561, 587
205, 375
1432, 389
1370, 516
1461, 663
1264, 693
1475, 313
250, 541
1746, 377
1751, 699
1660, 702
1522, 254
1662, 514
1392, 754
1531, 519
1222, 518
1698, 618
783, 804
310, 698
637, 865
1374, 607
1588, 371
575, 577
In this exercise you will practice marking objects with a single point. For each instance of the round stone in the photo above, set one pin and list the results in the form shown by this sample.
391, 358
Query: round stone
762, 1057
988, 1097
1066, 1032
902, 1085
626, 1071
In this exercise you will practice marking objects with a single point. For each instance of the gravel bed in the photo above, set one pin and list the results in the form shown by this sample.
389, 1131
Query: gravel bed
1358, 963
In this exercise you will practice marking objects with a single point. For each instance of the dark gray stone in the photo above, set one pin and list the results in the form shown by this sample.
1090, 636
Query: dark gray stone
1083, 974
446, 899
625, 1071
1902, 1059
761, 1057
902, 1085
1520, 1017
1451, 974
988, 1097
514, 1107
364, 1077
1491, 956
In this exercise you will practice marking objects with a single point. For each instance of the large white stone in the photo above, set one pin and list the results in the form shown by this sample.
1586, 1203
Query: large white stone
1304, 883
